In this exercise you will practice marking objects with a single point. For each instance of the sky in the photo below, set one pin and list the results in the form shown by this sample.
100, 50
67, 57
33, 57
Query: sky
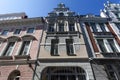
40, 8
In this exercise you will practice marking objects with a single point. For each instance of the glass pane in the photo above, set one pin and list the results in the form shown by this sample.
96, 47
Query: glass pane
61, 27
17, 31
50, 29
5, 32
25, 48
118, 25
112, 45
30, 30
71, 27
9, 49
102, 27
101, 45
94, 28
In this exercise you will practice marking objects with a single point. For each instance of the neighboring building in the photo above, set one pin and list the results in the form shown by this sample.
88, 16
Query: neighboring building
102, 38
63, 54
19, 44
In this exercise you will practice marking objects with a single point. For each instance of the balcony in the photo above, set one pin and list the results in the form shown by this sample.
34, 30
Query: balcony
103, 34
64, 33
111, 54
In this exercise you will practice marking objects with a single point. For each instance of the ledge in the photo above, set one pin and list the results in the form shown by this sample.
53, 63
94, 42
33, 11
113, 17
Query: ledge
6, 58
17, 62
22, 56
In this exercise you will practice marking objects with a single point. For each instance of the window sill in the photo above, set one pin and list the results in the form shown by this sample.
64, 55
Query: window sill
22, 56
6, 58
71, 54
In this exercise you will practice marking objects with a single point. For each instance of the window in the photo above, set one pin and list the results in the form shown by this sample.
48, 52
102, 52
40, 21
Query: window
102, 26
9, 49
118, 26
69, 46
51, 28
30, 30
112, 45
54, 47
101, 45
61, 14
94, 28
107, 45
17, 31
25, 48
71, 27
61, 27
4, 32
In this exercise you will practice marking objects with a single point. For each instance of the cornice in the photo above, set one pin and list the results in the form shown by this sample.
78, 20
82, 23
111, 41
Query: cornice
20, 22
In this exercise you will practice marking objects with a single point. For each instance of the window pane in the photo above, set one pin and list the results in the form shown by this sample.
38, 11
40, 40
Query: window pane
94, 28
9, 49
5, 32
24, 48
30, 30
101, 45
69, 47
71, 27
61, 27
118, 25
102, 27
54, 47
50, 28
112, 45
17, 31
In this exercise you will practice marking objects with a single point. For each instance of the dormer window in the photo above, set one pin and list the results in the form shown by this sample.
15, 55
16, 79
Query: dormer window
61, 14
61, 27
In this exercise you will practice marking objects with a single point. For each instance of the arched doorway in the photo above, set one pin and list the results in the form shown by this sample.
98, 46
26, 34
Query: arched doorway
63, 73
15, 75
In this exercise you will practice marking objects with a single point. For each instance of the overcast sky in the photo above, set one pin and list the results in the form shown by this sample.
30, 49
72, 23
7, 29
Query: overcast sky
38, 8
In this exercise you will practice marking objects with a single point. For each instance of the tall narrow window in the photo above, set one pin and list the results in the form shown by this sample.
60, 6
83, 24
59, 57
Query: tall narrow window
118, 26
112, 45
30, 30
94, 28
71, 27
69, 46
61, 27
102, 26
50, 28
4, 32
54, 47
101, 45
17, 31
9, 49
24, 48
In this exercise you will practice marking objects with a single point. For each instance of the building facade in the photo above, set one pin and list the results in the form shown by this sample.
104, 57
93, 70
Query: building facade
61, 46
19, 41
63, 54
102, 34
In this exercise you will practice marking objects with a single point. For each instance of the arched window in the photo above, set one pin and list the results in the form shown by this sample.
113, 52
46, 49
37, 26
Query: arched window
15, 75
63, 73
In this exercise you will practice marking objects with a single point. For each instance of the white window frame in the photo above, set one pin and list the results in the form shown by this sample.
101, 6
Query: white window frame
15, 30
29, 28
5, 34
20, 46
5, 47
107, 45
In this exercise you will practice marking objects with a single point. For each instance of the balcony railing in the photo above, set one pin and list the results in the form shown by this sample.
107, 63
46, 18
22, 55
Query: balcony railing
111, 54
